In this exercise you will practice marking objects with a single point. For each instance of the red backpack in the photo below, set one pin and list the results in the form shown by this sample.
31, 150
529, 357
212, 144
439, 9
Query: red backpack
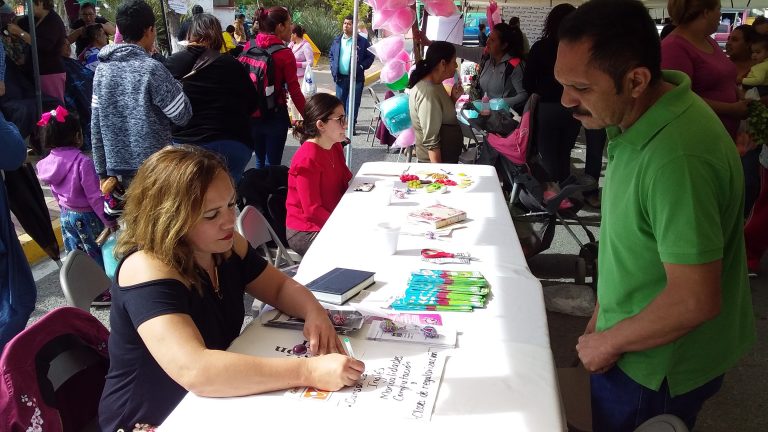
66, 344
261, 68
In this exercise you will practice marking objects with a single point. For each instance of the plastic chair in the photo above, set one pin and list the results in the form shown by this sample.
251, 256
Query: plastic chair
52, 374
663, 423
252, 225
82, 279
376, 119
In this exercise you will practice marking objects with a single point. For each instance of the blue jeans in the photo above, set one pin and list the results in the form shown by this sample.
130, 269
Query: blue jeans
235, 154
342, 92
269, 136
80, 231
18, 292
620, 404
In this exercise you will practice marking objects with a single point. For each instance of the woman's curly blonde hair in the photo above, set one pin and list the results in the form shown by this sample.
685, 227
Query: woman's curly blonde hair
164, 201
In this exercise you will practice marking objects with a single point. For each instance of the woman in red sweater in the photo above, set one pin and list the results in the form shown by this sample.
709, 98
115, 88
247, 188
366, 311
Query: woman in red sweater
319, 175
270, 131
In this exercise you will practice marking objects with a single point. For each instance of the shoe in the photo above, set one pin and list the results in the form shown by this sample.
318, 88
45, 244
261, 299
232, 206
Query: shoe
593, 200
103, 299
565, 204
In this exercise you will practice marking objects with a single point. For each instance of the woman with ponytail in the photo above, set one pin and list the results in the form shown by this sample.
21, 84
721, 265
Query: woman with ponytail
438, 136
318, 176
270, 131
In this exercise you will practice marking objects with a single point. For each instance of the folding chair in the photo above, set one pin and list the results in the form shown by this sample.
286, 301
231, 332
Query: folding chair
376, 119
82, 279
52, 374
252, 225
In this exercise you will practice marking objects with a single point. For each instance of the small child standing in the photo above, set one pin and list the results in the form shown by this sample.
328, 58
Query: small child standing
75, 185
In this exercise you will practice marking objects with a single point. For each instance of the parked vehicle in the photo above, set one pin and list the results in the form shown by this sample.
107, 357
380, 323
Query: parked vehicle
471, 21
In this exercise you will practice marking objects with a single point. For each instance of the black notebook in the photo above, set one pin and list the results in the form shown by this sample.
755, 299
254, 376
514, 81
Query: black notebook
340, 284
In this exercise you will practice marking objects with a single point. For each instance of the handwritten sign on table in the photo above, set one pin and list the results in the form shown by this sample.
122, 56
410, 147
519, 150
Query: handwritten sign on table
401, 380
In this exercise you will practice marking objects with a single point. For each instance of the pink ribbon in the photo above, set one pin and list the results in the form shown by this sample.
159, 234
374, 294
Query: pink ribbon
60, 114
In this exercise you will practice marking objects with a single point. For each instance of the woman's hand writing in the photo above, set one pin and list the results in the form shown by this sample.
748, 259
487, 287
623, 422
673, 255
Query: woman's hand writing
333, 371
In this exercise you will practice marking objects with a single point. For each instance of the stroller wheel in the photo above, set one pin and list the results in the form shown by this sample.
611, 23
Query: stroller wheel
581, 271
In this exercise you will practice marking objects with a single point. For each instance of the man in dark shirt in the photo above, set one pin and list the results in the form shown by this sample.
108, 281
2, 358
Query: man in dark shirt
87, 17
482, 38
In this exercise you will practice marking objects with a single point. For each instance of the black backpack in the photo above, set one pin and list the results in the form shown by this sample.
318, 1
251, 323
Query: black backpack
266, 189
261, 68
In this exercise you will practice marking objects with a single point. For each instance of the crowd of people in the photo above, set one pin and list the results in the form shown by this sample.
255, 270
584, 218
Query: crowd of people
674, 309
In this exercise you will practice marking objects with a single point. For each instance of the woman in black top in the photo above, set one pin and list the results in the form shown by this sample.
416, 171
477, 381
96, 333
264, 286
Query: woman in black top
222, 95
177, 302
51, 36
556, 128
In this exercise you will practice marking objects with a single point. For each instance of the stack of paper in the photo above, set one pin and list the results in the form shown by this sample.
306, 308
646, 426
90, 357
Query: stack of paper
444, 290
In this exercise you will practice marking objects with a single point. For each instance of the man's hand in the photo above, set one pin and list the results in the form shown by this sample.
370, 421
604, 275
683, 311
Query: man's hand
596, 353
421, 38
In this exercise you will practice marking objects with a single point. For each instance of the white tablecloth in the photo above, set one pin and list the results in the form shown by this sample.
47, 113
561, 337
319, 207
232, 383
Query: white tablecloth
501, 375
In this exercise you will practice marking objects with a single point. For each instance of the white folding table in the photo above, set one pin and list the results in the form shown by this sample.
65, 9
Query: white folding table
502, 373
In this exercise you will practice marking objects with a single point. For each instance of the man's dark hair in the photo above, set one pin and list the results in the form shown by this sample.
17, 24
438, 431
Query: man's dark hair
87, 6
92, 32
349, 17
514, 21
230, 29
133, 18
760, 20
47, 4
623, 37
481, 26
197, 9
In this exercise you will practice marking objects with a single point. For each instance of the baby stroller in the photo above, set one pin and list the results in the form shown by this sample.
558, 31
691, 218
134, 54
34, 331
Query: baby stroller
512, 137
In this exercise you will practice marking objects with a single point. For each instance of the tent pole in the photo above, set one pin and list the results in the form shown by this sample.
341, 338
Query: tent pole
35, 60
165, 24
350, 108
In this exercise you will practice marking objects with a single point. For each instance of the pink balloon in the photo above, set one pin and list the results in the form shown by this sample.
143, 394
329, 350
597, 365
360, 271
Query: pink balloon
392, 71
393, 4
388, 48
405, 58
442, 8
401, 21
381, 17
406, 139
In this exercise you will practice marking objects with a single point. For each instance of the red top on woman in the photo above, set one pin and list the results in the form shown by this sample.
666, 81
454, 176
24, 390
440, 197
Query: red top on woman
317, 180
713, 75
285, 70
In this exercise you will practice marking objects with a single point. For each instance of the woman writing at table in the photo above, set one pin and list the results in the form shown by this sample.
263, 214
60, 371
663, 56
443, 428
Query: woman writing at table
438, 136
318, 176
177, 302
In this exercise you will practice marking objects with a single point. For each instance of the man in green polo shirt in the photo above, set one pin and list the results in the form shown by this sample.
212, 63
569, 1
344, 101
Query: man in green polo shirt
674, 309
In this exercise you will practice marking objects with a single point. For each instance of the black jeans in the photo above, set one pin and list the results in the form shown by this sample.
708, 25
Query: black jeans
556, 132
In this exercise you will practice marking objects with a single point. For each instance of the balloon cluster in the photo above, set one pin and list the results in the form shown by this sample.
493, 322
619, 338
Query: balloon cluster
397, 17
397, 61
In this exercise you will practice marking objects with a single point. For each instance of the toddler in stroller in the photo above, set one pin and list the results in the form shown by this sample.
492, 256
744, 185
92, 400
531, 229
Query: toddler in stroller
535, 205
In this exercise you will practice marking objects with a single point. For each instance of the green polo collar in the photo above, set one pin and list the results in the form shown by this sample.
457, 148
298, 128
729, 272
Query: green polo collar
664, 111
